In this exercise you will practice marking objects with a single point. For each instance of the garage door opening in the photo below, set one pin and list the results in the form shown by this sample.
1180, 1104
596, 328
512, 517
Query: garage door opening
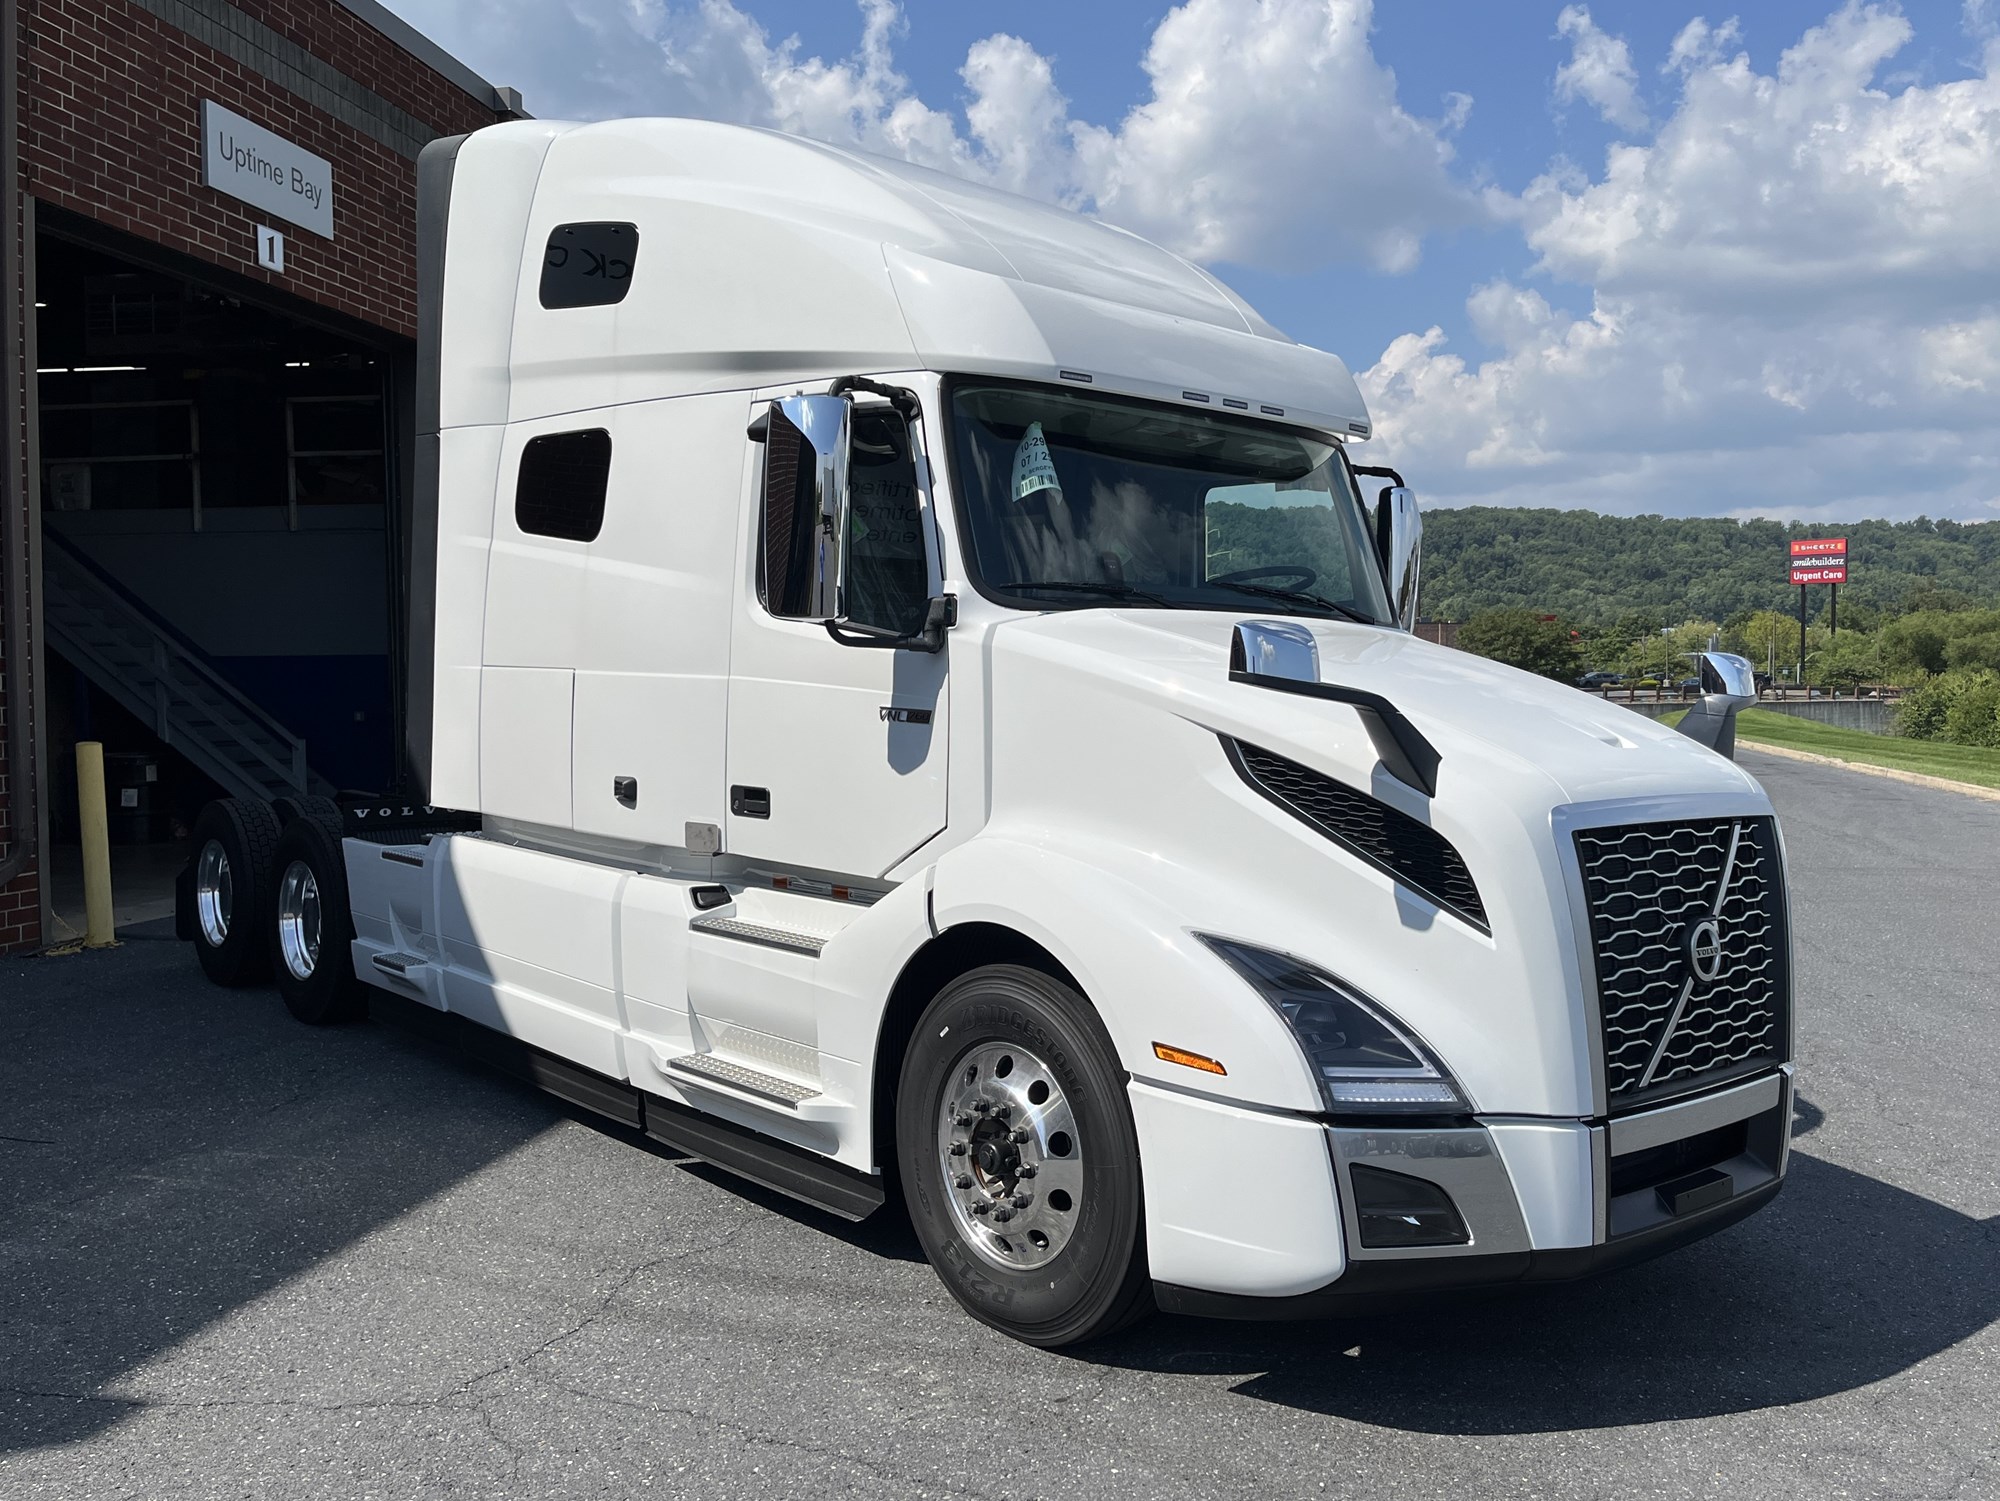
218, 484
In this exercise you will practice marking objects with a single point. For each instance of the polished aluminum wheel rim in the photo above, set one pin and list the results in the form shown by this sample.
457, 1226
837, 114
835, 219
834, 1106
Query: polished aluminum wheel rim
214, 893
1011, 1156
298, 920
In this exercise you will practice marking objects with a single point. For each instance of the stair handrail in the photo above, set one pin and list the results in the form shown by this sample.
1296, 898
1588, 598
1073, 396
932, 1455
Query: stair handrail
169, 644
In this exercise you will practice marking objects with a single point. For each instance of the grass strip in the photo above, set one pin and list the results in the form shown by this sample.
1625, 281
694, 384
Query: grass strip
1931, 758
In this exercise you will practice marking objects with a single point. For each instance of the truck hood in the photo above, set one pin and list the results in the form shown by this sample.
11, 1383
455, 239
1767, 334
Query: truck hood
1479, 713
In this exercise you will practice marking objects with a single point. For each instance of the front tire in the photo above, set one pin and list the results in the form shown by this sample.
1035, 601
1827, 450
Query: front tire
234, 843
1019, 1160
310, 930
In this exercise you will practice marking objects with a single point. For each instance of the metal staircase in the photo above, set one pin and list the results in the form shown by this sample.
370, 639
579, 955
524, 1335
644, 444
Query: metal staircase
125, 651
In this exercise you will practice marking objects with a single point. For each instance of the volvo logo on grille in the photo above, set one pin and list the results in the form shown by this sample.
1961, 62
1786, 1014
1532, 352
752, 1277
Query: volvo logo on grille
1704, 943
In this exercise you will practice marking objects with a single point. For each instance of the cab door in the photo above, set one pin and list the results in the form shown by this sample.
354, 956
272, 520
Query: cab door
836, 752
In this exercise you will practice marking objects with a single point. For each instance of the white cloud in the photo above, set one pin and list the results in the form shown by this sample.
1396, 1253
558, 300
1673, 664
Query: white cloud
1786, 300
1794, 298
1217, 163
1700, 45
1599, 70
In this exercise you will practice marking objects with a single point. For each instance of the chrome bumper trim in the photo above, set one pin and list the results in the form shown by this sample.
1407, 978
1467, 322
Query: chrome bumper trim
1685, 1118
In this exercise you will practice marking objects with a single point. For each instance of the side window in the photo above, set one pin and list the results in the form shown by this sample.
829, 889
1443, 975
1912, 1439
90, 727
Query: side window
888, 573
562, 483
589, 265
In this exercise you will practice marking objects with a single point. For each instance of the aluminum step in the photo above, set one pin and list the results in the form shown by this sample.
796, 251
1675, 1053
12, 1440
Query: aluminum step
398, 965
711, 1069
751, 932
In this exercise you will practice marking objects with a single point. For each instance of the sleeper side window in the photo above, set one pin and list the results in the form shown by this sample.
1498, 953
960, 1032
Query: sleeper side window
588, 265
562, 484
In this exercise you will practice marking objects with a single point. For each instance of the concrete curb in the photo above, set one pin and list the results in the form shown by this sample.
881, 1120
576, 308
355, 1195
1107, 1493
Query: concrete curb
1917, 778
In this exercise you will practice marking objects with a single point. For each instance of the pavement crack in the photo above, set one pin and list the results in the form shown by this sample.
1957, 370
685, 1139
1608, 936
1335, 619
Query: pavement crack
764, 1438
598, 1310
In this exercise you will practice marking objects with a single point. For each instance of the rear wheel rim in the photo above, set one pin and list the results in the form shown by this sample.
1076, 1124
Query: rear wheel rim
298, 920
1011, 1156
214, 893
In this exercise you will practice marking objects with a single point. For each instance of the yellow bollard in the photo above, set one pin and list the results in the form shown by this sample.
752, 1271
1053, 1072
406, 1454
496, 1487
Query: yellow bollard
96, 845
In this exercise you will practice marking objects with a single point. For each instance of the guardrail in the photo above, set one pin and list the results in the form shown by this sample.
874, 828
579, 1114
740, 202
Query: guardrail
1784, 693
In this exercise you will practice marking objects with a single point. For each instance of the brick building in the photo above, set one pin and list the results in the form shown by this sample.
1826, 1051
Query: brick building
210, 312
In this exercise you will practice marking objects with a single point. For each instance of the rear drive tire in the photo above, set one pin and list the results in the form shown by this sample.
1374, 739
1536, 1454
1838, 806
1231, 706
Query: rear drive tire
232, 847
310, 931
1019, 1161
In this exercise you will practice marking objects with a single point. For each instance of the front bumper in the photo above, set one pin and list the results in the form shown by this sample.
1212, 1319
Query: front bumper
1541, 1201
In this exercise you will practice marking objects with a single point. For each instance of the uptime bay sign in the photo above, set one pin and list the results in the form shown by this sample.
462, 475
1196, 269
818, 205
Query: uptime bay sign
243, 159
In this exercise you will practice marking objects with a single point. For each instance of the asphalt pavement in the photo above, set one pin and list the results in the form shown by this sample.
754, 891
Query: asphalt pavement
243, 1258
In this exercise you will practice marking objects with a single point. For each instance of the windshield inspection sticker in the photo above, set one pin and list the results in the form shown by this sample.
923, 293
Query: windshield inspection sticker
1034, 470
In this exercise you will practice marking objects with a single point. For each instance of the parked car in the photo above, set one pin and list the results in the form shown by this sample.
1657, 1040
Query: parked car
1763, 681
1595, 680
1689, 685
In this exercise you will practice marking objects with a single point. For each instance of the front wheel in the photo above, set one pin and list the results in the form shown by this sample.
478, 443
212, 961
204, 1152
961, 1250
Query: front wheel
310, 928
1019, 1160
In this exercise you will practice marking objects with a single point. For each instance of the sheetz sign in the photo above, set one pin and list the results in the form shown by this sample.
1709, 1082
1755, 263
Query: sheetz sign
1819, 560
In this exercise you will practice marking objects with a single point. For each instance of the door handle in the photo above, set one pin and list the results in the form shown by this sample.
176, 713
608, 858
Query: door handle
750, 802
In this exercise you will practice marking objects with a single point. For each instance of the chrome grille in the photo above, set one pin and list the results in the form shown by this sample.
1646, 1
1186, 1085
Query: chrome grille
1675, 1018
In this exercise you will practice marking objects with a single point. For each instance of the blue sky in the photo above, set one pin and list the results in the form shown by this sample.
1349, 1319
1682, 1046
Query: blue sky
1502, 53
1636, 256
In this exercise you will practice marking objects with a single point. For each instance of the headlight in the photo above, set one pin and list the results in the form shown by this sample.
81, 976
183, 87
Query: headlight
1366, 1062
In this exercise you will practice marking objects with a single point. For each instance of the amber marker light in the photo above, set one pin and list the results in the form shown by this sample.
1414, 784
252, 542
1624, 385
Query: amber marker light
1186, 1059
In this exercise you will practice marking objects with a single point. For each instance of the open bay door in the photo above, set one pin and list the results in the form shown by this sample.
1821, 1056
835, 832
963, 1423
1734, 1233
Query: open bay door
838, 714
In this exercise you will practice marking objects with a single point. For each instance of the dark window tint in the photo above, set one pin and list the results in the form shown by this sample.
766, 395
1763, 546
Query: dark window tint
563, 478
888, 578
588, 265
785, 547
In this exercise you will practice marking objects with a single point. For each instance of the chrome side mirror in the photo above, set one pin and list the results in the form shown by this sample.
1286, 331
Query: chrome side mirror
1400, 531
1728, 683
1274, 649
802, 544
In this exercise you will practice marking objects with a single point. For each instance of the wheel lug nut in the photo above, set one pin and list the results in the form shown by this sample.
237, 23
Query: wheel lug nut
963, 1122
1020, 1135
1025, 1170
1023, 1200
958, 1149
1003, 1112
982, 1107
963, 1180
1003, 1215
982, 1207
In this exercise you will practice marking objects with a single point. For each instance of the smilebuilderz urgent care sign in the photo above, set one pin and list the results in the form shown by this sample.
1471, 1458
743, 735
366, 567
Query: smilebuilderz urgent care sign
243, 159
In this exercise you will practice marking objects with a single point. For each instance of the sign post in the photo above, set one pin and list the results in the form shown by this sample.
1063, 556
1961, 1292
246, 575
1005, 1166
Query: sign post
1818, 560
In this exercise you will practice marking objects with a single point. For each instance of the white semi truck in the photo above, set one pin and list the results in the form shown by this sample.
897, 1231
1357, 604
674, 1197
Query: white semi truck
927, 703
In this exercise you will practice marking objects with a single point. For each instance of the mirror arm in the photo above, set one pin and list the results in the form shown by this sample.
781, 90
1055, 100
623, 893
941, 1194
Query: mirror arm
901, 398
940, 615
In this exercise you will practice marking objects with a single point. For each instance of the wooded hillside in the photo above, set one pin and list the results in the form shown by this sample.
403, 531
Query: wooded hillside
1599, 570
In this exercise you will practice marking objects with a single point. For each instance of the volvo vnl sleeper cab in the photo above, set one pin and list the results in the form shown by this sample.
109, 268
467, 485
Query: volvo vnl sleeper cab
924, 691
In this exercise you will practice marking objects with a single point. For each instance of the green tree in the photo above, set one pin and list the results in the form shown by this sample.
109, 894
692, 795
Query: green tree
1914, 645
1771, 640
1962, 707
1846, 661
1974, 718
1523, 639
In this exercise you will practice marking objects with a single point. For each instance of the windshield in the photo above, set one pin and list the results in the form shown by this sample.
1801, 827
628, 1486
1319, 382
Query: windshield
1070, 498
